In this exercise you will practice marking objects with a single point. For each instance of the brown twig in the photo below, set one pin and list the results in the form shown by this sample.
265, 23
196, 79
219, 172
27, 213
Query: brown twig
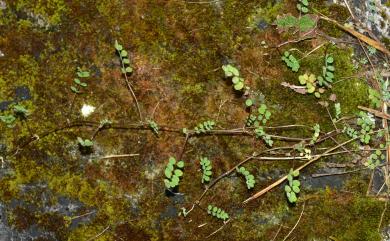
375, 112
382, 215
296, 224
282, 179
131, 89
100, 234
219, 229
118, 156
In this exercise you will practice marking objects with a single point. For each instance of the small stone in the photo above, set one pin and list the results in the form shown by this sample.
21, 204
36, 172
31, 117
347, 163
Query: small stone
5, 104
262, 24
1, 54
87, 110
22, 93
3, 5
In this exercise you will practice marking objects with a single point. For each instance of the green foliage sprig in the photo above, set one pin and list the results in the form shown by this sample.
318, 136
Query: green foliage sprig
85, 145
337, 108
384, 84
367, 125
257, 120
20, 110
204, 127
262, 117
316, 134
371, 50
327, 72
248, 102
173, 172
232, 72
85, 142
250, 179
291, 61
260, 133
292, 188
17, 110
351, 132
126, 68
8, 120
217, 212
206, 169
309, 80
375, 159
81, 74
303, 6
153, 126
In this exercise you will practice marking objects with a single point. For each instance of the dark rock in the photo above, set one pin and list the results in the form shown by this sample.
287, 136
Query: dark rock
377, 181
333, 181
262, 24
5, 104
170, 212
22, 93
3, 148
96, 71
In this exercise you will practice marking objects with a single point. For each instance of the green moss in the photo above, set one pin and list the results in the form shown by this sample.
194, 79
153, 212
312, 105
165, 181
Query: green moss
329, 208
53, 10
177, 50
350, 91
268, 13
336, 12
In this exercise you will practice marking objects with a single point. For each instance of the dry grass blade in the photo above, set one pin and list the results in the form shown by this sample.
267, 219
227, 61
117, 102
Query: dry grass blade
282, 179
379, 46
375, 112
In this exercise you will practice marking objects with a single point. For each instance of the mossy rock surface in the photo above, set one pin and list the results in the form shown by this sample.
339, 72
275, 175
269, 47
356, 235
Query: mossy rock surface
176, 49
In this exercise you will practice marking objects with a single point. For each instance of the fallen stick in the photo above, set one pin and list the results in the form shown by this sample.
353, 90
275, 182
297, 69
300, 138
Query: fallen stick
282, 179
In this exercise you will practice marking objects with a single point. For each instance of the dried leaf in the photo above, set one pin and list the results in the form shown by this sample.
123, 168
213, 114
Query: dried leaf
333, 97
296, 88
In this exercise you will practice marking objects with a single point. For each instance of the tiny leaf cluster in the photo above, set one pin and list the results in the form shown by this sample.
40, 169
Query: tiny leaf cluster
17, 110
351, 132
367, 125
260, 133
126, 68
291, 61
217, 212
8, 120
375, 159
309, 81
85, 142
327, 72
261, 118
292, 187
316, 134
206, 169
303, 5
153, 125
204, 127
232, 72
173, 172
337, 108
250, 179
81, 74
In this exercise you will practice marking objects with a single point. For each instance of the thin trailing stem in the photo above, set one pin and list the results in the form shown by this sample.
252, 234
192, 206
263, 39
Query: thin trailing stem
282, 179
131, 88
296, 224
